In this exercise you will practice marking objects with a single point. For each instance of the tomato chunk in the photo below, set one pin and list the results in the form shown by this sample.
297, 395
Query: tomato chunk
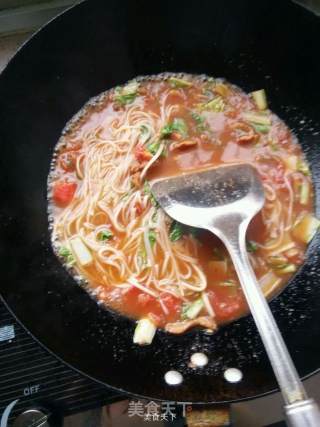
67, 160
63, 193
244, 133
139, 208
226, 307
138, 299
141, 154
172, 303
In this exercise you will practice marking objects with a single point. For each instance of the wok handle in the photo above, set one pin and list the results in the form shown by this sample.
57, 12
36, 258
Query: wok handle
233, 234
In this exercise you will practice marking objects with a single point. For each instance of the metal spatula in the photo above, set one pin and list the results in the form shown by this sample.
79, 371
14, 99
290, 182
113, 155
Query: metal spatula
224, 200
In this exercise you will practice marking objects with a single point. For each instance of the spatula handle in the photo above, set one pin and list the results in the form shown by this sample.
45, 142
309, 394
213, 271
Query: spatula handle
302, 414
234, 237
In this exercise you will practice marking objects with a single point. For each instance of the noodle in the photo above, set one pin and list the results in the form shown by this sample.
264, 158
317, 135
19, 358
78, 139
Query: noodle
107, 160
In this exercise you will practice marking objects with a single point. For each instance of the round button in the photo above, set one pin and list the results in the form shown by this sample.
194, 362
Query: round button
31, 417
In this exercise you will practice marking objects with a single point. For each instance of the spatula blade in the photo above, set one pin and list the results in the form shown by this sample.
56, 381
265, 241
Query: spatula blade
194, 198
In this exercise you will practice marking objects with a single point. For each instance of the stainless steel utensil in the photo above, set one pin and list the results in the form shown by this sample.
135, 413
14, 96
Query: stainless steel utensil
224, 200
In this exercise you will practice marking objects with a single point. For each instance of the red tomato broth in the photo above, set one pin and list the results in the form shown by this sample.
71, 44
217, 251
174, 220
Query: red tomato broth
216, 144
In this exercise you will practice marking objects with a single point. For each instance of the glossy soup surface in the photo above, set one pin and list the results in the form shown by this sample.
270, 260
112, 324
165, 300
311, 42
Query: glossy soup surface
211, 122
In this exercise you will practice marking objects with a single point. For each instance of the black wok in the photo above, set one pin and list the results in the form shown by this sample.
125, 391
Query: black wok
95, 46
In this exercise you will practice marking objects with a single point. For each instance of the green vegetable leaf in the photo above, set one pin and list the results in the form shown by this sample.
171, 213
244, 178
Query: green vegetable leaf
176, 231
147, 191
63, 251
105, 235
126, 94
177, 125
152, 237
179, 83
200, 121
197, 118
251, 246
67, 255
166, 130
261, 128
154, 147
125, 99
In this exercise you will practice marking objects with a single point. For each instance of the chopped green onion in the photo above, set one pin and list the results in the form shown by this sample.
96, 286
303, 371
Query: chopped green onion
261, 128
273, 144
291, 162
67, 255
142, 257
304, 193
251, 246
154, 216
152, 237
228, 283
303, 167
147, 191
277, 261
257, 118
191, 311
216, 105
125, 195
306, 228
208, 86
81, 251
287, 268
283, 248
177, 125
105, 235
144, 332
179, 83
260, 98
176, 231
